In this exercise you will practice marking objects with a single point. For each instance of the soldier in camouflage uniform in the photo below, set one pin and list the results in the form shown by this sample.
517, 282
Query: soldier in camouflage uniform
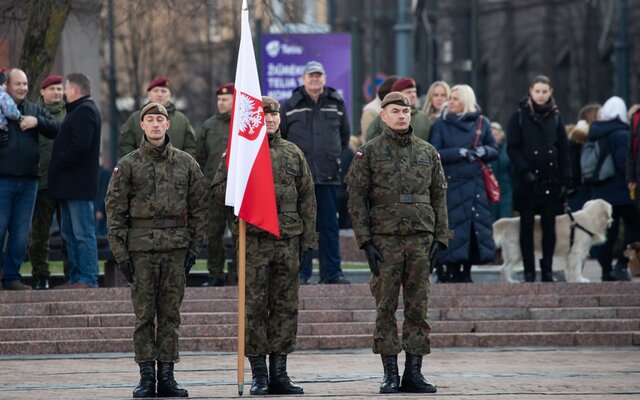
397, 202
212, 142
181, 132
51, 99
273, 264
156, 214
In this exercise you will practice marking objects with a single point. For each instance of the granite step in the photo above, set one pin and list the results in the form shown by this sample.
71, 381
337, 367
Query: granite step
334, 317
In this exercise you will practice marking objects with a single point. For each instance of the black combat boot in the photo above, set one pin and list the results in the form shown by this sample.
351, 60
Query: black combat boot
147, 385
546, 274
279, 382
167, 385
259, 377
391, 380
412, 379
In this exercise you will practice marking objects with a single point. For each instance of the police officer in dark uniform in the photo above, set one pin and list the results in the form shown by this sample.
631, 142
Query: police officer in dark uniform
397, 202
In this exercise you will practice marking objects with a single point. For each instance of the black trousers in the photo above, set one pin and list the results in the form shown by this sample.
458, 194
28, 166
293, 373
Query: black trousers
547, 213
631, 217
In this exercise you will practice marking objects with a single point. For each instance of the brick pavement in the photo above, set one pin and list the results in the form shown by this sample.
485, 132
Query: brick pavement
556, 373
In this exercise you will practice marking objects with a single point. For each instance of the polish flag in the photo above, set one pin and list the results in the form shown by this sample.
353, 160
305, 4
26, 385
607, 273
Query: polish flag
250, 189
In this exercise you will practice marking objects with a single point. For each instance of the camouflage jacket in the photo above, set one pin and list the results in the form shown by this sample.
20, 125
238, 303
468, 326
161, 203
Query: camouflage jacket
181, 132
396, 186
153, 185
212, 142
295, 194
57, 110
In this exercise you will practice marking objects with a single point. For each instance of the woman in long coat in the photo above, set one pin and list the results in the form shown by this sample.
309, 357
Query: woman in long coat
453, 135
538, 148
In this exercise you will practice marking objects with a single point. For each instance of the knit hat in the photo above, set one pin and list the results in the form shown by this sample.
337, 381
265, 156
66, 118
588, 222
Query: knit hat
612, 109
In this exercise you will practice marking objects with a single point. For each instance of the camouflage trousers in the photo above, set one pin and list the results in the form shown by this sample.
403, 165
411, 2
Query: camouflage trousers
406, 265
271, 295
157, 292
40, 232
218, 218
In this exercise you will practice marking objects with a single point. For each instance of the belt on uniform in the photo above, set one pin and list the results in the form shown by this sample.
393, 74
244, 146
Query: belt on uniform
157, 223
287, 208
399, 198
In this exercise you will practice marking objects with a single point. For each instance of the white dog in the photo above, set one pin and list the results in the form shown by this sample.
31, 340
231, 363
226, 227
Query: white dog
595, 217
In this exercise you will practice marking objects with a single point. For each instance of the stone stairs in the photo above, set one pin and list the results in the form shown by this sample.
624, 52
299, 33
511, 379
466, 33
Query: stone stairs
333, 317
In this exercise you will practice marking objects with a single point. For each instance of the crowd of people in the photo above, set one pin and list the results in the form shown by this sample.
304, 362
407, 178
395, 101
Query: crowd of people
412, 183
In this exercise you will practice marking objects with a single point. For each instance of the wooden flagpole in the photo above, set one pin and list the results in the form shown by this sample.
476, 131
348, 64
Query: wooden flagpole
241, 296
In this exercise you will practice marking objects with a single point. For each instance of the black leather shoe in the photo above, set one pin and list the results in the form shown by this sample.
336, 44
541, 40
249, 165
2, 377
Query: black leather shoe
412, 379
338, 280
214, 282
42, 284
167, 385
259, 376
279, 382
391, 381
147, 385
620, 273
530, 276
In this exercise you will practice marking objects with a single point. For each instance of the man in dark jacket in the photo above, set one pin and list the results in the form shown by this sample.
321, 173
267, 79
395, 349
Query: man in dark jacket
19, 176
73, 180
315, 119
51, 98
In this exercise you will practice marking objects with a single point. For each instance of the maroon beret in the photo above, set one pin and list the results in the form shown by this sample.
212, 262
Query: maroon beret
51, 80
227, 88
402, 84
159, 81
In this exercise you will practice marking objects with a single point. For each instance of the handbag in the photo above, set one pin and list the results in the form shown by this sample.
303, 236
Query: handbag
490, 181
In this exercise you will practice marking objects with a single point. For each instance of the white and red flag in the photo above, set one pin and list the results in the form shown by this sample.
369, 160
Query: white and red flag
250, 181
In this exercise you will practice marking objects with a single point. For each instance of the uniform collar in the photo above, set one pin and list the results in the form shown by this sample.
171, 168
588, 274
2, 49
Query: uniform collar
153, 151
402, 138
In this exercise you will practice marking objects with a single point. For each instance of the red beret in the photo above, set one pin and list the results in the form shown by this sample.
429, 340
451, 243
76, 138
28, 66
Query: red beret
51, 80
402, 84
227, 88
159, 81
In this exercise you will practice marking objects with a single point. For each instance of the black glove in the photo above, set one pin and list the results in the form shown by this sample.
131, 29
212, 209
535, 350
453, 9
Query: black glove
529, 177
126, 267
434, 254
305, 254
373, 257
189, 262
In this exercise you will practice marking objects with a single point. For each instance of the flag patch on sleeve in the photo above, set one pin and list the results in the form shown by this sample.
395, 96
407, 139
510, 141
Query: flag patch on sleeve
116, 170
359, 154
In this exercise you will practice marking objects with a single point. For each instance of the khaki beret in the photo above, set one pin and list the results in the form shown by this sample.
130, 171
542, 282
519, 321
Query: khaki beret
154, 108
270, 104
395, 98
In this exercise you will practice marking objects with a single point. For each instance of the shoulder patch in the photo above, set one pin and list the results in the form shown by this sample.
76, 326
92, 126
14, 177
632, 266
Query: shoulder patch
438, 154
359, 154
224, 154
116, 170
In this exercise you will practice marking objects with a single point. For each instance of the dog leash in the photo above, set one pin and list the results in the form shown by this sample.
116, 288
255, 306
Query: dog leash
575, 225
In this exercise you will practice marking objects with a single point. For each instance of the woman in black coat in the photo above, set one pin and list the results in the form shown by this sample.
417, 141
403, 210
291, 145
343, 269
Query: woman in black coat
538, 148
469, 212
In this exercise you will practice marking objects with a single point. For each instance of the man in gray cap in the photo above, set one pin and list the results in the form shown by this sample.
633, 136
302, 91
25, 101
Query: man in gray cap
315, 119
